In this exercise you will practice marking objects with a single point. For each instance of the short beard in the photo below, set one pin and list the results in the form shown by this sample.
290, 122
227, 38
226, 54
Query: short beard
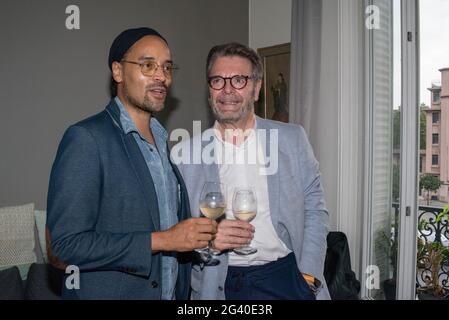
243, 113
146, 105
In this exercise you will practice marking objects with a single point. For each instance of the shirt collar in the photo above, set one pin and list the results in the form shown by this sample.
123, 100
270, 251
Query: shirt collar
129, 126
249, 139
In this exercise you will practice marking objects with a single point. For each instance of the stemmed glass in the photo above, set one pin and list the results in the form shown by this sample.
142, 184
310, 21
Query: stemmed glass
244, 207
212, 205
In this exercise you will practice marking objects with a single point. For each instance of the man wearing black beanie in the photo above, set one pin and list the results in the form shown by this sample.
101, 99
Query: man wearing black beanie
118, 209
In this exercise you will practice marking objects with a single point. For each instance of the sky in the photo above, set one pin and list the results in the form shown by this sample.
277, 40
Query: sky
397, 53
434, 46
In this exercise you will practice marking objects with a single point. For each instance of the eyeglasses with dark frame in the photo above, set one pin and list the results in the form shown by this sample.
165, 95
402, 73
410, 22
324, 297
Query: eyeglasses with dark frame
150, 67
237, 82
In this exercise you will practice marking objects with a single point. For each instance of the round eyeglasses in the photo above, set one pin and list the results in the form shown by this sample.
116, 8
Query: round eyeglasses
150, 67
237, 82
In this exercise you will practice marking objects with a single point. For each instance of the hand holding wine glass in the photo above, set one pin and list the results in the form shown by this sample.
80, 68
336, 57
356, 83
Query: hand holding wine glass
244, 207
212, 205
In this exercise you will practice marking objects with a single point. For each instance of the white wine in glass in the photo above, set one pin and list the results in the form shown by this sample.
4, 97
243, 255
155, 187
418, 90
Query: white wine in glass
212, 206
244, 207
212, 213
245, 215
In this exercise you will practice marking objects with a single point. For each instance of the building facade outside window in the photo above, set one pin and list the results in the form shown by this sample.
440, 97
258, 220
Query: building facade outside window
436, 96
435, 138
434, 160
435, 117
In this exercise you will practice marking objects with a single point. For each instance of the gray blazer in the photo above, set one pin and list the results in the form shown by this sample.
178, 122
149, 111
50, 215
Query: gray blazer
296, 200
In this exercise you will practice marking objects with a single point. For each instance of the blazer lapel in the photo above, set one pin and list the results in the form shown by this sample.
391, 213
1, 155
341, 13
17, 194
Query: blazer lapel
137, 161
211, 171
273, 179
184, 204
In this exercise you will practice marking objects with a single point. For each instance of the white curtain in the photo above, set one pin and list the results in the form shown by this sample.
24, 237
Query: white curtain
322, 101
305, 63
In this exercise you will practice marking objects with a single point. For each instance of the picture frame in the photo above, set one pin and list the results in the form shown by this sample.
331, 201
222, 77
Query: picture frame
274, 96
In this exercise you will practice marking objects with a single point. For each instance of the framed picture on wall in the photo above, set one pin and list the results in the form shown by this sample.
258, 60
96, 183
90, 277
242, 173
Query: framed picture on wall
273, 98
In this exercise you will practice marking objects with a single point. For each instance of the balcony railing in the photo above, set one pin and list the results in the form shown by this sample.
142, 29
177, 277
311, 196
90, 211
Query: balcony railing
431, 230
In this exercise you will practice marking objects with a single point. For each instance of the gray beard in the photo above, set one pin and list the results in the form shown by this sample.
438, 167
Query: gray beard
244, 112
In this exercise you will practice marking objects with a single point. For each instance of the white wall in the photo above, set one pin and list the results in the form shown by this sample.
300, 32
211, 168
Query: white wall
269, 22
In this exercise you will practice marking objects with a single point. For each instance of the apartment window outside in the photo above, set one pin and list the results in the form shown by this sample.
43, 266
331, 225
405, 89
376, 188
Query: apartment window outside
432, 270
435, 138
434, 160
436, 96
435, 117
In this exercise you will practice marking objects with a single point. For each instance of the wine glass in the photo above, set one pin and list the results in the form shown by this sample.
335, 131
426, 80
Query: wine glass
244, 207
212, 205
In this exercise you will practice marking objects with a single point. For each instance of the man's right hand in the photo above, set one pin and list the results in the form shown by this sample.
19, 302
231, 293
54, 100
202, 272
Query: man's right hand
190, 234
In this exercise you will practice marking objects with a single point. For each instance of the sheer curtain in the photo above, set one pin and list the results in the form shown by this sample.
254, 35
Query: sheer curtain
313, 98
305, 62
327, 99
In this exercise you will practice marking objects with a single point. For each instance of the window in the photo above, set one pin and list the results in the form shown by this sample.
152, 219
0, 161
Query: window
436, 96
435, 138
391, 81
434, 160
435, 117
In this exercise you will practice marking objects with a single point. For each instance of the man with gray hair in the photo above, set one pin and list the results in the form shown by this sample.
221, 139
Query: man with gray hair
290, 228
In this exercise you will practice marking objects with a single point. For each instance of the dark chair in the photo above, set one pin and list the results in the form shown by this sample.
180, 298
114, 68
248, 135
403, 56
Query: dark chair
11, 287
44, 282
340, 279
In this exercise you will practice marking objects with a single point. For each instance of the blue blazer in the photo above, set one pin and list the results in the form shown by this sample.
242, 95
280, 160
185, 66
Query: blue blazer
102, 208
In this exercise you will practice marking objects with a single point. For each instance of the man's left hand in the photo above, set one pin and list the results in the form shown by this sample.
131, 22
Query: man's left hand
233, 234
